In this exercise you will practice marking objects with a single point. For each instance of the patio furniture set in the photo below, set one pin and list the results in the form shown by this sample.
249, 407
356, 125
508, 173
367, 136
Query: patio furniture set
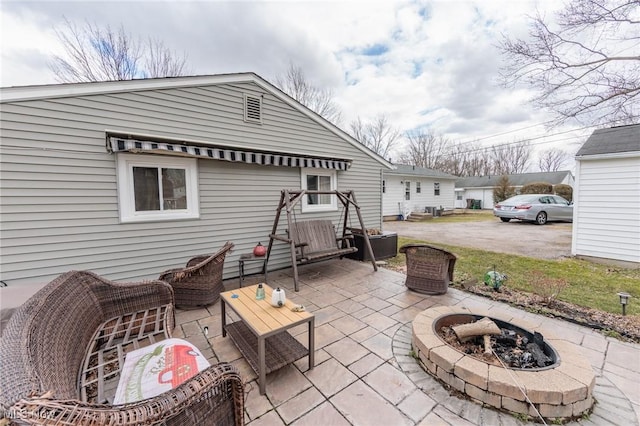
65, 352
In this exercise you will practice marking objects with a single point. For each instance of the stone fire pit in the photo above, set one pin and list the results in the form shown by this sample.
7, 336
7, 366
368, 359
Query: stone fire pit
563, 390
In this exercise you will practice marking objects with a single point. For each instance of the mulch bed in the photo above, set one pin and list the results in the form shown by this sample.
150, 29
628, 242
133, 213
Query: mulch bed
625, 328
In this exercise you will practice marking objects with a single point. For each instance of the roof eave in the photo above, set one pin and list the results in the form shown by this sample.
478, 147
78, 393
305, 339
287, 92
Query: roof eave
611, 155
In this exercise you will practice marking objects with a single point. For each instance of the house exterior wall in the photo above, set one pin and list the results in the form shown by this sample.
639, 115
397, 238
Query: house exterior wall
394, 195
59, 194
483, 194
606, 222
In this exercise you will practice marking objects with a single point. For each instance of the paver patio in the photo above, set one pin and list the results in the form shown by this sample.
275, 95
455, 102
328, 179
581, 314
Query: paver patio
364, 374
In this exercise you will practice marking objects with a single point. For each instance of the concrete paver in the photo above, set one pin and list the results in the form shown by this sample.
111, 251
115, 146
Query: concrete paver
361, 405
364, 371
390, 383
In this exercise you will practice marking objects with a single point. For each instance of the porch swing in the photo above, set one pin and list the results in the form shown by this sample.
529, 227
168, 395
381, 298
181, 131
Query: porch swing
316, 240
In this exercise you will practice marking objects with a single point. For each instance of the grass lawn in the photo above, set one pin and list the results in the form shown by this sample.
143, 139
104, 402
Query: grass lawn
590, 285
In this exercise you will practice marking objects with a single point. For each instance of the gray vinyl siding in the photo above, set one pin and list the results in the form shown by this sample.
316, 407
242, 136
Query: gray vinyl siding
58, 184
607, 209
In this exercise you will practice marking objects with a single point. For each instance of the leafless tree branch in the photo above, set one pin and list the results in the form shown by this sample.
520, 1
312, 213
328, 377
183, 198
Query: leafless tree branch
93, 53
378, 135
587, 68
320, 100
552, 160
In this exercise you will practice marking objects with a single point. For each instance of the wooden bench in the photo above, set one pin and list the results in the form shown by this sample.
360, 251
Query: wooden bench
314, 241
62, 352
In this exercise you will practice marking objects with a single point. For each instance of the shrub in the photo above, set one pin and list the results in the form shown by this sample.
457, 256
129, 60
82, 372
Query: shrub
565, 191
546, 287
537, 188
503, 190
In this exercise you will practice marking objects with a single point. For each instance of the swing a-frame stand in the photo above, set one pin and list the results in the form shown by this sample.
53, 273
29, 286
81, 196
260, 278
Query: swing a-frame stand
316, 240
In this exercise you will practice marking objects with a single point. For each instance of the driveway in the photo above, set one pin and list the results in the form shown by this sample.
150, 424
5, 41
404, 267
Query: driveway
550, 241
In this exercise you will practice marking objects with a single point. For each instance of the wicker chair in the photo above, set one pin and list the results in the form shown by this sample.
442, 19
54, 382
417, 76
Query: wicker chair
199, 283
48, 378
429, 269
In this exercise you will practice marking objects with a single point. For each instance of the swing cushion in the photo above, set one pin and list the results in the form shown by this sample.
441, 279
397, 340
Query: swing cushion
316, 240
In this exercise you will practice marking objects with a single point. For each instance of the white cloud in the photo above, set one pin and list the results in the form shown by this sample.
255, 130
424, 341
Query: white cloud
423, 63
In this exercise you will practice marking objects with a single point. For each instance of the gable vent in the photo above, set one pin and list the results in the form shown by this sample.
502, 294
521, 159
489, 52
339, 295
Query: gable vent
253, 109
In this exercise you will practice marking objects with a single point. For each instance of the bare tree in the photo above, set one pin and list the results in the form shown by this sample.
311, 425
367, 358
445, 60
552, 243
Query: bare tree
511, 158
552, 160
320, 100
478, 161
586, 66
94, 53
377, 135
425, 149
160, 61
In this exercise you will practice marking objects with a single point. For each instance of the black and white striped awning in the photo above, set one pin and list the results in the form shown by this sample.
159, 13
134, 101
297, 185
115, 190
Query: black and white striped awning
118, 144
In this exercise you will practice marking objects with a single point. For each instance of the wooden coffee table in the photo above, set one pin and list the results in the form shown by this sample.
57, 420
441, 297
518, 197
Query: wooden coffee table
261, 333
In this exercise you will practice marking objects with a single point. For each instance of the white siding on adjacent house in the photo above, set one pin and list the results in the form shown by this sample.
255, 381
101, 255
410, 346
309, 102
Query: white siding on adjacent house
483, 194
607, 209
394, 195
59, 196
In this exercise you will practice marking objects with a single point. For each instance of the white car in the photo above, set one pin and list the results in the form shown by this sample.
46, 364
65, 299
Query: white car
538, 208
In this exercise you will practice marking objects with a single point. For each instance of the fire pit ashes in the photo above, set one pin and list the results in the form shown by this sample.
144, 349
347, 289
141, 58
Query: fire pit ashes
514, 347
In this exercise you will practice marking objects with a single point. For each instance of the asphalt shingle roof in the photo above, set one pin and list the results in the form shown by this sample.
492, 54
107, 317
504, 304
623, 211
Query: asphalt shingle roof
404, 170
612, 140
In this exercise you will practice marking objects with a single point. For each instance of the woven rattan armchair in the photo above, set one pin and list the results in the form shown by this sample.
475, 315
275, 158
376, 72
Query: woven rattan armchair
429, 269
48, 375
199, 283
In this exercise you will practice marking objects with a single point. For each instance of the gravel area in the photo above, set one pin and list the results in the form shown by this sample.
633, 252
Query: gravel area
550, 241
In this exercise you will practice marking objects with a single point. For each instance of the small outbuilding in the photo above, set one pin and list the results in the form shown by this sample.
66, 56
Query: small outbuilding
606, 214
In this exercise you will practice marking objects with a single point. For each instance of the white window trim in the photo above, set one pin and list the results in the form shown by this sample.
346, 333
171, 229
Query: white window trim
333, 205
126, 200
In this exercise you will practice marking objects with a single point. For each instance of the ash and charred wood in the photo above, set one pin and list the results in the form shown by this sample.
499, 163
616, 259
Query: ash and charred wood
538, 355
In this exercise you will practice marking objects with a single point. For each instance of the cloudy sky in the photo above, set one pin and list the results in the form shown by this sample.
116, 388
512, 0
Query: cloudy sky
425, 64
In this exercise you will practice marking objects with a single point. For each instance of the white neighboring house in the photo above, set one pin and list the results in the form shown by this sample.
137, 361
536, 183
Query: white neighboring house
131, 178
412, 189
606, 214
481, 187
